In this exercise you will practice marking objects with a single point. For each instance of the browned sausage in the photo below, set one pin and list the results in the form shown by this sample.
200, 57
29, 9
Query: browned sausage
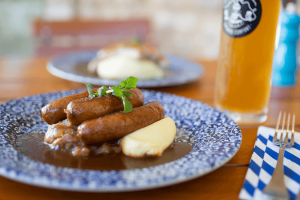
53, 112
84, 109
119, 124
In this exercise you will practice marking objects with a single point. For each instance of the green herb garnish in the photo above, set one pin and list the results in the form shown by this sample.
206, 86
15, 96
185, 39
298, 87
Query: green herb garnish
116, 90
127, 105
102, 91
129, 83
90, 90
136, 41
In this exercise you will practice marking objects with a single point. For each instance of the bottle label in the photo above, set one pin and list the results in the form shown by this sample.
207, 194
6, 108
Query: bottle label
241, 17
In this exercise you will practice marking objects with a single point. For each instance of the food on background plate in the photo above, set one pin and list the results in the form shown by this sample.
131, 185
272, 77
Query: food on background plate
134, 58
94, 123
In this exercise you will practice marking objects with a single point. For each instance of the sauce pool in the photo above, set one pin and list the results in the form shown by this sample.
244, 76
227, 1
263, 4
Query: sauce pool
32, 145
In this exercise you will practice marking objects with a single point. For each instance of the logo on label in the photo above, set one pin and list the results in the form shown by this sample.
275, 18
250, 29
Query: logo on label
240, 17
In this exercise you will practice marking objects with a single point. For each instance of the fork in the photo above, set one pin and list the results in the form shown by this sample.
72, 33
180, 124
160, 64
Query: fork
276, 188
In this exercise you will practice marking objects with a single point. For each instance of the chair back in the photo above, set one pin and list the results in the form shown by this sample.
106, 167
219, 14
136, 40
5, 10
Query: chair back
55, 37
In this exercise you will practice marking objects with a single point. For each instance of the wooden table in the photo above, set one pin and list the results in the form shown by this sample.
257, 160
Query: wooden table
22, 76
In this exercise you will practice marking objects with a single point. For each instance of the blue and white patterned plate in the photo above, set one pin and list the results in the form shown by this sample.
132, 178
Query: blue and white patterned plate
215, 139
73, 67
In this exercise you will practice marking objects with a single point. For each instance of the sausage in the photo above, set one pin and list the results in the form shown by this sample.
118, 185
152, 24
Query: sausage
84, 109
117, 125
53, 112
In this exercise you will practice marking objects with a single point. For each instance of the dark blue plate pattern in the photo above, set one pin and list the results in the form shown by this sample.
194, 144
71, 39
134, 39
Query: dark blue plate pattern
214, 136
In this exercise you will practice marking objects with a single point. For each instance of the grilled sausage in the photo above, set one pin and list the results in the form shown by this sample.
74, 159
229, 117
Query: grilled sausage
84, 109
119, 124
53, 112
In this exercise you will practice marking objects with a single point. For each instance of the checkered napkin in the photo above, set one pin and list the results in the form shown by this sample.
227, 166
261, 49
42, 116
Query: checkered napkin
263, 163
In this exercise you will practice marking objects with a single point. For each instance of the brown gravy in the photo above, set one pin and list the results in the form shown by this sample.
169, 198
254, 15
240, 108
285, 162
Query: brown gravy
32, 145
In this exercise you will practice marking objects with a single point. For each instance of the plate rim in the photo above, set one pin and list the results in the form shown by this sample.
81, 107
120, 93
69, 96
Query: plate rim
23, 178
112, 190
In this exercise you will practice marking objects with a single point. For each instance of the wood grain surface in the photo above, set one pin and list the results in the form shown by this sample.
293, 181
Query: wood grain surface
23, 76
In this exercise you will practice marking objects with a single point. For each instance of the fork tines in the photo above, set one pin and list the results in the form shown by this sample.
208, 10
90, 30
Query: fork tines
280, 141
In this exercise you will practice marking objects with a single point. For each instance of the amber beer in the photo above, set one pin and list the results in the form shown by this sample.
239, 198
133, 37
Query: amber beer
243, 79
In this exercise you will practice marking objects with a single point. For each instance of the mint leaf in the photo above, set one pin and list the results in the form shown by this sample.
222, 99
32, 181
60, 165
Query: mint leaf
96, 94
127, 94
90, 90
136, 41
127, 104
123, 84
121, 94
129, 83
102, 91
117, 91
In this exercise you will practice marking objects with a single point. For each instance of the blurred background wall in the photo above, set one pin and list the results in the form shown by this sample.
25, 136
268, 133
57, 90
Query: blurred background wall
183, 27
16, 34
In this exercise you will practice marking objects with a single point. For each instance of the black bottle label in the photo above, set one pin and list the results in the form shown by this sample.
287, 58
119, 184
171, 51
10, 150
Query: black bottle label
241, 17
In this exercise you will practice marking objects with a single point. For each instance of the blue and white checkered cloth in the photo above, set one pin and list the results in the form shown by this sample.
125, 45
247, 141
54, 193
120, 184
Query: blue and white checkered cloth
263, 163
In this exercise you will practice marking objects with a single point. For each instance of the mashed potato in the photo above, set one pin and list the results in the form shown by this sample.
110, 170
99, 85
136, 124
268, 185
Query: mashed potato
121, 60
120, 66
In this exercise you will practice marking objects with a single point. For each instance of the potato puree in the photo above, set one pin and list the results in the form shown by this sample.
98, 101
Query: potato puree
120, 66
151, 140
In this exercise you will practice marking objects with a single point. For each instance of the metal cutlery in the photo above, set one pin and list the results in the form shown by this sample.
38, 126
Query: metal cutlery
276, 188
